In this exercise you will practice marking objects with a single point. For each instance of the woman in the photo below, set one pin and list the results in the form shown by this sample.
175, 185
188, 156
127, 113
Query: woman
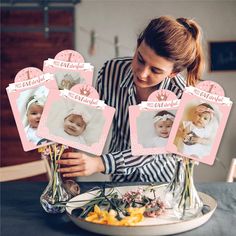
166, 47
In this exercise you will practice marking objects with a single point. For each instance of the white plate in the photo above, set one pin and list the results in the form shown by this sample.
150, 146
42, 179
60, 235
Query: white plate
162, 225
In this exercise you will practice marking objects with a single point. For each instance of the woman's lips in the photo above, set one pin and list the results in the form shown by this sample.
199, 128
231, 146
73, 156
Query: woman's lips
140, 81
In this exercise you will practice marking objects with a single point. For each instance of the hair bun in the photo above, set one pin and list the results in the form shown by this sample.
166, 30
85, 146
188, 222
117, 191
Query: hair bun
187, 24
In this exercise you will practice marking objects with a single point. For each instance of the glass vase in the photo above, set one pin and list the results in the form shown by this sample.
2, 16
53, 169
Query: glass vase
174, 188
55, 192
187, 203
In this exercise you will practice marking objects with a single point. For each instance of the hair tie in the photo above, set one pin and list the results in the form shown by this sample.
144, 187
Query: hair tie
183, 21
163, 118
201, 109
40, 101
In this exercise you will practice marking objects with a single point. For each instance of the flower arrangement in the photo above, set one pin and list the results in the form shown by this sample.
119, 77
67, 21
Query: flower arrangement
116, 209
53, 153
189, 203
55, 191
174, 188
181, 194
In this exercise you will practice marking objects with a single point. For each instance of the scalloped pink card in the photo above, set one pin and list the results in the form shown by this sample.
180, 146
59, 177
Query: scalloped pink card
69, 69
200, 122
28, 96
151, 123
77, 118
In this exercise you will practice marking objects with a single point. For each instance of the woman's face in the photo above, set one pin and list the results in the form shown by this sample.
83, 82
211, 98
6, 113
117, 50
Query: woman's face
163, 128
149, 69
34, 114
74, 125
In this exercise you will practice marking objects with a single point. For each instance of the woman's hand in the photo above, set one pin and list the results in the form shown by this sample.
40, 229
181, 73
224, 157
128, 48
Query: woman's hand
76, 164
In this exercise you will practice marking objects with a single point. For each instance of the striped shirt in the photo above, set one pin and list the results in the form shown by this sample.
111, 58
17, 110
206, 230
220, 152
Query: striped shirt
115, 86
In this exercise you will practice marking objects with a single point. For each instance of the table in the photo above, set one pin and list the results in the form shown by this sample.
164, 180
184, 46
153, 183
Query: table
22, 214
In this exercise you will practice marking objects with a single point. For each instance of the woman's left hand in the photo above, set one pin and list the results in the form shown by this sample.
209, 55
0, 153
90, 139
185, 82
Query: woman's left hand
76, 164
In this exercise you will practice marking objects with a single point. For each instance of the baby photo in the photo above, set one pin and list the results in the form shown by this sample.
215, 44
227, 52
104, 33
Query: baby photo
68, 74
31, 104
66, 80
197, 129
150, 130
76, 124
27, 104
162, 123
199, 124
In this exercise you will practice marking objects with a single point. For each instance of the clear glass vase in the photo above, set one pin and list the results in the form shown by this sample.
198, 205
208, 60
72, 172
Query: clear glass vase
55, 192
187, 203
174, 188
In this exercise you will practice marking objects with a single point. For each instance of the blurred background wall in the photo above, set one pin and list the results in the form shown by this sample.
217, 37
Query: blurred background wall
98, 23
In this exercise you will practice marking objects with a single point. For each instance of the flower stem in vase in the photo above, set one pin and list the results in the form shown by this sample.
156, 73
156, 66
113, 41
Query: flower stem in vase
55, 191
188, 203
174, 188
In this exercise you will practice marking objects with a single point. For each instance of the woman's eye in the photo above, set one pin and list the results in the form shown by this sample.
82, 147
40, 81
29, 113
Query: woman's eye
140, 60
154, 71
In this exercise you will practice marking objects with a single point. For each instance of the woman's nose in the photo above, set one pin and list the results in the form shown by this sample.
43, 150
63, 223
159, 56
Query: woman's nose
144, 72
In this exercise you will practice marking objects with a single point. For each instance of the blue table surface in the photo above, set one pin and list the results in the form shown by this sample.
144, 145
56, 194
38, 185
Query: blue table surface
22, 214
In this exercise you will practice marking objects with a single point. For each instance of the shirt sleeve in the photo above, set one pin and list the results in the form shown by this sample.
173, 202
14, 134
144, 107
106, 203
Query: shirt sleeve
123, 163
99, 86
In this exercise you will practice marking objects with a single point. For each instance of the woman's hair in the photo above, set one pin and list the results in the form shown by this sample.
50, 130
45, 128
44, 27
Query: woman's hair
178, 40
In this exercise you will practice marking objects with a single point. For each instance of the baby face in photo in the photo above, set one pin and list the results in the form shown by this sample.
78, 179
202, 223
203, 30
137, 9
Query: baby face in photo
74, 125
34, 114
163, 128
203, 115
201, 120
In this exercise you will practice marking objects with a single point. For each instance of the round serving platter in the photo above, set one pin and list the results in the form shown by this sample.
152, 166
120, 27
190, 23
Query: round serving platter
165, 224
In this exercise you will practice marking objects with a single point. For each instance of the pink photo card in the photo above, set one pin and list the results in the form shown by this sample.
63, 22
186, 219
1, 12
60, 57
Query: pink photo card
200, 122
151, 122
77, 118
28, 96
69, 69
